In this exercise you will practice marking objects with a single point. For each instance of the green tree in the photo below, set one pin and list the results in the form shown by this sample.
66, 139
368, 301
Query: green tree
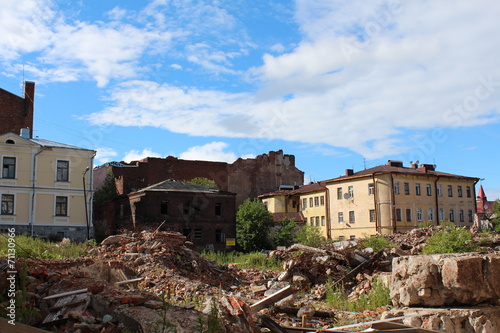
309, 235
495, 215
284, 233
205, 182
253, 223
107, 191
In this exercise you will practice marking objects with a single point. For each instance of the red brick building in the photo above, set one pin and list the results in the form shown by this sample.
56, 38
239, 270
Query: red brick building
17, 112
248, 178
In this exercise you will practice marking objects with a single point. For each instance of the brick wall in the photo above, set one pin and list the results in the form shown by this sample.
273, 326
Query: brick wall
248, 178
17, 112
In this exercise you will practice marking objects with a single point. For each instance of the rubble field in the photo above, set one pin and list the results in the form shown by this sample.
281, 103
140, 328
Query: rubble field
157, 282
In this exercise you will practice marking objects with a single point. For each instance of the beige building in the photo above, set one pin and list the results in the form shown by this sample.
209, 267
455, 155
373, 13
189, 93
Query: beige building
306, 204
45, 187
393, 198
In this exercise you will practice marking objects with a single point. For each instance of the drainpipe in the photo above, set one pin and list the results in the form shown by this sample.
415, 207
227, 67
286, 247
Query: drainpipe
474, 197
32, 213
393, 204
86, 207
327, 213
436, 217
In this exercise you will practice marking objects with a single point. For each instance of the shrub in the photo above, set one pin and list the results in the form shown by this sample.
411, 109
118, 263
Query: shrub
336, 297
309, 235
450, 240
377, 243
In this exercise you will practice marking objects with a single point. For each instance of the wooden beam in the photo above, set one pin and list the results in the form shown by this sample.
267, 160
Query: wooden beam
5, 327
271, 299
68, 293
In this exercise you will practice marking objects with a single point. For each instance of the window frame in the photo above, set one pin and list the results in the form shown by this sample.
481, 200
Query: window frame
7, 203
429, 189
352, 217
430, 214
399, 215
396, 188
460, 192
439, 190
418, 189
461, 215
450, 191
350, 190
408, 215
420, 215
340, 217
406, 188
468, 191
61, 206
339, 193
372, 215
371, 189
8, 168
60, 175
451, 215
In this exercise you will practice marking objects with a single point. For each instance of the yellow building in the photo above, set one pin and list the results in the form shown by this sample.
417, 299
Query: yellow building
393, 198
42, 187
308, 202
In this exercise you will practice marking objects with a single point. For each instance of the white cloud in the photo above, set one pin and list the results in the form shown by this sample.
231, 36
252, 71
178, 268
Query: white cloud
104, 154
136, 155
213, 151
492, 193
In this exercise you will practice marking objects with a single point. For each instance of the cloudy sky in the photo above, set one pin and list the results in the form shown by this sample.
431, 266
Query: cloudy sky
339, 84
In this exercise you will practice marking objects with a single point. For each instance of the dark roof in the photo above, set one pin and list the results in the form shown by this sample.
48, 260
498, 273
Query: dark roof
385, 169
296, 216
313, 187
172, 185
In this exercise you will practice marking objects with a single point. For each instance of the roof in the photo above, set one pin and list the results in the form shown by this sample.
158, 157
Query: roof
52, 144
309, 188
386, 169
172, 185
296, 216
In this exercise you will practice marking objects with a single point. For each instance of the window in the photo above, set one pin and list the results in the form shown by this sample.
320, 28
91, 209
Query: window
322, 200
304, 203
429, 189
441, 214
440, 191
352, 218
471, 217
408, 214
316, 201
430, 215
198, 235
452, 215
396, 188
461, 215
323, 221
351, 191
311, 203
352, 237
372, 215
370, 189
220, 237
450, 190
186, 207
218, 209
339, 193
7, 204
61, 206
62, 171
398, 214
407, 188
164, 208
467, 189
341, 238
417, 189
420, 215
9, 167
305, 220
317, 221
341, 217
459, 190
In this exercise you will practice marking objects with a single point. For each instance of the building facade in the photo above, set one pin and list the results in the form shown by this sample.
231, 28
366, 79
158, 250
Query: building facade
45, 187
392, 198
206, 216
308, 203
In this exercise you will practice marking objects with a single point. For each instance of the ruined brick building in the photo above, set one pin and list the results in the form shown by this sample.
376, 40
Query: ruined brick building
248, 178
17, 112
142, 202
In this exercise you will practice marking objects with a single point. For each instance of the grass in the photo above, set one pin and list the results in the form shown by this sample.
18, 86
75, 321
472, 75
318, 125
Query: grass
336, 298
257, 260
450, 240
29, 247
377, 243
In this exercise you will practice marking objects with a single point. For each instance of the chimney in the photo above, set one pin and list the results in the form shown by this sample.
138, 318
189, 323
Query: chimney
393, 163
349, 172
426, 168
29, 102
25, 133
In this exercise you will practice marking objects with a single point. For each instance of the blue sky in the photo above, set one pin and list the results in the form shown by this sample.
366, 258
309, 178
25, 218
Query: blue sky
339, 84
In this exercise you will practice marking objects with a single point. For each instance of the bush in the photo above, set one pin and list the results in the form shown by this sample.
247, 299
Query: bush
309, 235
336, 297
377, 243
257, 260
450, 240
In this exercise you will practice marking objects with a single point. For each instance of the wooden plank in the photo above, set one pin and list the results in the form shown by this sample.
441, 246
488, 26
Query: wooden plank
272, 325
5, 327
295, 310
396, 327
129, 281
271, 299
69, 301
68, 293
